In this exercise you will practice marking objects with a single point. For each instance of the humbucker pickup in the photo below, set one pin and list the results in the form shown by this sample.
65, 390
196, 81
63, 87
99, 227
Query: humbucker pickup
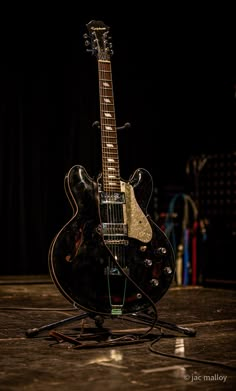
112, 197
114, 229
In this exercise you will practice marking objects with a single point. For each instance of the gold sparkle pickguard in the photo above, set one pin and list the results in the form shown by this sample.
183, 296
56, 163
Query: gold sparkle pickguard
138, 225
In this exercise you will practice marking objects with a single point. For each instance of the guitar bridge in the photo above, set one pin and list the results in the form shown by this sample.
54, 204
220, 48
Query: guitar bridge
116, 242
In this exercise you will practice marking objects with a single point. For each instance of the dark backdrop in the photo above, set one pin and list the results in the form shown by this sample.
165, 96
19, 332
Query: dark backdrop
174, 81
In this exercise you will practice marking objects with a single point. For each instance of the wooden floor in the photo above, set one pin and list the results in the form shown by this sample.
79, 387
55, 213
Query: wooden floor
194, 348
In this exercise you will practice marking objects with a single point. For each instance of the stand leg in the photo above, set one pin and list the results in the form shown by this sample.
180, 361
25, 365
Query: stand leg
168, 325
35, 331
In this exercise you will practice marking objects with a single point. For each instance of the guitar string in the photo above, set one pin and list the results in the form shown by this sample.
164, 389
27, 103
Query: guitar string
110, 140
105, 168
113, 210
108, 95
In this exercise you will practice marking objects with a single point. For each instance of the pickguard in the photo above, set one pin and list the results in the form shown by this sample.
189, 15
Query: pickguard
138, 224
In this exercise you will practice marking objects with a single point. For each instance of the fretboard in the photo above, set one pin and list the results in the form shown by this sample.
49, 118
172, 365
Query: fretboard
110, 157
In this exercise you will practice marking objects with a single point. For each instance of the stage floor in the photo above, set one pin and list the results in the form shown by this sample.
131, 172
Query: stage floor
124, 353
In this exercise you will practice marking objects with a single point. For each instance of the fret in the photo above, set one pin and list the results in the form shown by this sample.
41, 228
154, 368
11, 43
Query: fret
107, 107
109, 134
110, 162
105, 68
108, 121
104, 122
108, 93
109, 139
109, 152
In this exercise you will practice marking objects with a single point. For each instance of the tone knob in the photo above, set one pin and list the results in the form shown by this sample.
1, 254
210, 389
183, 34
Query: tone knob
167, 270
143, 248
154, 282
148, 262
161, 251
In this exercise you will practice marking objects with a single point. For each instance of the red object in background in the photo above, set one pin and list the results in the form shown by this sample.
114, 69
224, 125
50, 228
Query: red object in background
194, 254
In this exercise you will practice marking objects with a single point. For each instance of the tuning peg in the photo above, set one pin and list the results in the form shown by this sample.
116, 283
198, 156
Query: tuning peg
87, 43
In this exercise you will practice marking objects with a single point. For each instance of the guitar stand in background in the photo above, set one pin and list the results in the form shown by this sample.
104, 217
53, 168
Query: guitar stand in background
142, 318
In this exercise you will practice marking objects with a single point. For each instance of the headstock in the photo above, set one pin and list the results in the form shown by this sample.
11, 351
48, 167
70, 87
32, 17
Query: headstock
98, 40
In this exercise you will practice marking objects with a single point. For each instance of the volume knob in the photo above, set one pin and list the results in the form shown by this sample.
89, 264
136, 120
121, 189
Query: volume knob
154, 282
148, 262
161, 251
168, 271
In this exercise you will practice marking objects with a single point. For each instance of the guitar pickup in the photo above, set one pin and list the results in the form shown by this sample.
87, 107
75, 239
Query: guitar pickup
116, 242
112, 197
114, 229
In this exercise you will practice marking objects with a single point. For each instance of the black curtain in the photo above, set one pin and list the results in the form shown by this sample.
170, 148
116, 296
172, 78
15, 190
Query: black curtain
174, 84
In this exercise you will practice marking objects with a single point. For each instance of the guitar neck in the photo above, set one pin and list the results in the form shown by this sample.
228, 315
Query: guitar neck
110, 157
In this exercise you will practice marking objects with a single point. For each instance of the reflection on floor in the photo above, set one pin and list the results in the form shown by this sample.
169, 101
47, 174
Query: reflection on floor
192, 341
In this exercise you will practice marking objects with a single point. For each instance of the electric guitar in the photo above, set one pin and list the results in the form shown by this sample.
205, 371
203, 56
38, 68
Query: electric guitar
110, 258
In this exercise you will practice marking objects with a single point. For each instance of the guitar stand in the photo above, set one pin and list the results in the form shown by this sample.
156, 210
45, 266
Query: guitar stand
141, 317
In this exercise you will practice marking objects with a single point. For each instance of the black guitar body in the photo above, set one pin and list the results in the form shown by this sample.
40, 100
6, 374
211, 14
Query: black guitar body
111, 268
